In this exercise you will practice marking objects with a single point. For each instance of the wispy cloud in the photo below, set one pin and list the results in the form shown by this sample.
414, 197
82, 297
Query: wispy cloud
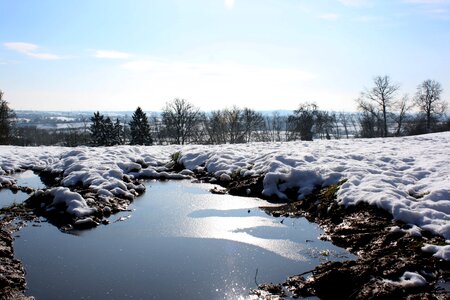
329, 17
439, 9
428, 1
111, 54
31, 50
229, 4
354, 2
367, 18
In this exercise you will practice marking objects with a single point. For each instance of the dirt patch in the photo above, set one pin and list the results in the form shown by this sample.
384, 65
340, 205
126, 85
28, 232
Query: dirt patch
384, 248
12, 274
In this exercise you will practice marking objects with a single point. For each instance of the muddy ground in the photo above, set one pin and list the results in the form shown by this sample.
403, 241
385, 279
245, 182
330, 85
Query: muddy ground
12, 274
383, 254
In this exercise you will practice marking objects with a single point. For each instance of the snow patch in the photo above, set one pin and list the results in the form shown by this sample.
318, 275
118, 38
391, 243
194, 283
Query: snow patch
442, 252
305, 181
408, 280
409, 176
75, 203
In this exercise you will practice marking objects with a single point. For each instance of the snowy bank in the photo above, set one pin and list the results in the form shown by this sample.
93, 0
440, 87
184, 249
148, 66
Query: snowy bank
408, 177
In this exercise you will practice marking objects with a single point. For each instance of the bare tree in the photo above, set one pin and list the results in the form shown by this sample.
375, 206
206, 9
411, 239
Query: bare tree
335, 125
428, 100
200, 135
378, 100
235, 126
370, 125
86, 134
275, 125
216, 128
403, 106
253, 122
324, 123
180, 119
344, 119
301, 123
157, 129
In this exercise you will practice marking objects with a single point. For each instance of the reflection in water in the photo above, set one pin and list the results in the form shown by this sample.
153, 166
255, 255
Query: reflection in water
8, 198
181, 242
25, 179
29, 179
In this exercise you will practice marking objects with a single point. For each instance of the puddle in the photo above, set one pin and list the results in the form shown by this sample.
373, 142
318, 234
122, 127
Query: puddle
25, 179
29, 179
181, 242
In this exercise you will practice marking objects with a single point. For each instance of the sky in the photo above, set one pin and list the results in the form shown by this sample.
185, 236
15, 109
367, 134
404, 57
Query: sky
262, 54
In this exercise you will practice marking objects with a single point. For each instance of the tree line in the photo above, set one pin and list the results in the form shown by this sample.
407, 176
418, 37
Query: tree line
387, 113
382, 112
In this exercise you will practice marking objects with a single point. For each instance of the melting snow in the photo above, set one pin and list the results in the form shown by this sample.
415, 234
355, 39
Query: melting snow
408, 177
409, 279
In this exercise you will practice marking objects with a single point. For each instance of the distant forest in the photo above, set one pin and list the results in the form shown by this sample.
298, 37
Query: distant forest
382, 112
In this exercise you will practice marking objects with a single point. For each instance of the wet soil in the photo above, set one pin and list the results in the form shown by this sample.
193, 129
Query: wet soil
12, 273
384, 254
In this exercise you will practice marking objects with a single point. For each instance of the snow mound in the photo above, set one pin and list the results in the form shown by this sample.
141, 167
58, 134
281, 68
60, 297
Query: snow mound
408, 280
442, 252
75, 203
409, 176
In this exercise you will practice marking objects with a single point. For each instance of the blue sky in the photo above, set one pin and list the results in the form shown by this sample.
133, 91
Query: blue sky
263, 54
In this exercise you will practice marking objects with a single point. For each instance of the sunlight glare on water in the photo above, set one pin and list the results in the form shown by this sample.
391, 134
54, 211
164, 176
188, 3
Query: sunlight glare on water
181, 242
206, 217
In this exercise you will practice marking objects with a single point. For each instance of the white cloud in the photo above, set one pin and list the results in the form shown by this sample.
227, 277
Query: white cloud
229, 4
21, 47
329, 17
368, 18
354, 2
30, 50
111, 54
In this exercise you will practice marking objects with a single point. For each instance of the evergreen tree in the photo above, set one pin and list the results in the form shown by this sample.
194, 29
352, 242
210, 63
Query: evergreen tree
117, 133
108, 132
6, 121
140, 128
97, 129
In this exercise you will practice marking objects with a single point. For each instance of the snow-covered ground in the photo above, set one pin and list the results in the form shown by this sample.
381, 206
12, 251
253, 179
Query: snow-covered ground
408, 177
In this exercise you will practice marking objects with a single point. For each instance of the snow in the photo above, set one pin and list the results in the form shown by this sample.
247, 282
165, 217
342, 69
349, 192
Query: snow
409, 177
408, 280
75, 203
442, 252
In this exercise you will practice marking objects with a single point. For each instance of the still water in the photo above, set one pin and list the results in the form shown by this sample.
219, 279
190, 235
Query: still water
178, 242
26, 179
